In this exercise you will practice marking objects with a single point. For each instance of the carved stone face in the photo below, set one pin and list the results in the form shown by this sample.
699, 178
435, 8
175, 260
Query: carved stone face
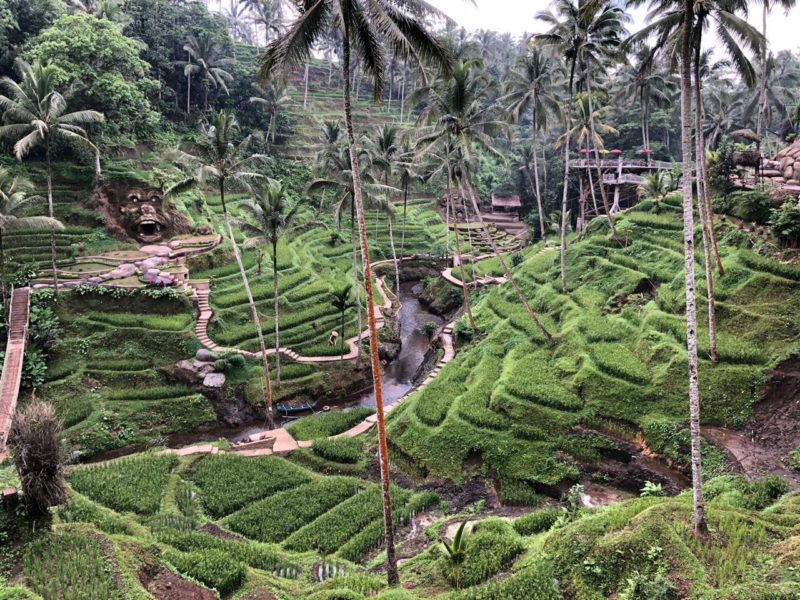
142, 215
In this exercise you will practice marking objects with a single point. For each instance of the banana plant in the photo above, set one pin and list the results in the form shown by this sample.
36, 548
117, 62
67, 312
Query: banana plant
456, 553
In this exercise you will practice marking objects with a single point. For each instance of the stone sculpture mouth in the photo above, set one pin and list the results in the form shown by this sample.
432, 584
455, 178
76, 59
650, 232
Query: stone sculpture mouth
149, 230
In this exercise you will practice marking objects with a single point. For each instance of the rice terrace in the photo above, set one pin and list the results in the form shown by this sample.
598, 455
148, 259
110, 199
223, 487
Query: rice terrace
399, 300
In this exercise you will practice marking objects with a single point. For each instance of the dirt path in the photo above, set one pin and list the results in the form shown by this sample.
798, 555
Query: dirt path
772, 432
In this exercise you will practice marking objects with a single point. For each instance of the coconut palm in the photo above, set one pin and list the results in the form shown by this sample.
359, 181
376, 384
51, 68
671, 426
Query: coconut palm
217, 159
340, 300
207, 60
369, 30
406, 172
655, 187
763, 57
35, 114
589, 34
15, 199
529, 86
457, 112
385, 151
272, 217
272, 98
267, 14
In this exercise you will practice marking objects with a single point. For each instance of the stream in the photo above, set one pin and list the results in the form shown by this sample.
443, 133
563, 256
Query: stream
398, 374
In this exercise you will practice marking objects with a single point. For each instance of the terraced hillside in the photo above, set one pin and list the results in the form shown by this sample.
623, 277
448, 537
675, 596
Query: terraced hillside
324, 103
535, 415
315, 262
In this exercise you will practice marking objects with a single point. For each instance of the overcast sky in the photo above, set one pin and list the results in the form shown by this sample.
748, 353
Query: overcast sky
518, 16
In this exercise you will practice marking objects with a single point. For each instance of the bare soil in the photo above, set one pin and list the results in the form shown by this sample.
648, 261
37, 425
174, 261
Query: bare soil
773, 430
165, 585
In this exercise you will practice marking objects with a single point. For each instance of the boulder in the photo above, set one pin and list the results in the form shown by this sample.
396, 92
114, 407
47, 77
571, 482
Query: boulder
214, 380
206, 356
787, 172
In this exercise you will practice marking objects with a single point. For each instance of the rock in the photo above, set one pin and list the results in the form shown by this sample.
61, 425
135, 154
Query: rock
214, 380
206, 356
203, 368
787, 172
155, 250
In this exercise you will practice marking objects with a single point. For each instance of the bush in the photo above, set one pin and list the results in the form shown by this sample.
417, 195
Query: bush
129, 484
785, 223
327, 424
347, 450
492, 545
228, 482
277, 517
748, 205
537, 522
213, 568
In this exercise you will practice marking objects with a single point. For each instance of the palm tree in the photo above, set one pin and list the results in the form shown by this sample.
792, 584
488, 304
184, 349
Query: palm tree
529, 87
206, 59
406, 173
273, 217
268, 14
35, 115
218, 159
369, 28
456, 112
237, 22
385, 151
763, 57
654, 187
15, 198
588, 33
340, 300
272, 98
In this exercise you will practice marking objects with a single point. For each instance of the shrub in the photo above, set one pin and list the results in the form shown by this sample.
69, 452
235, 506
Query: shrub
537, 522
129, 484
492, 545
785, 223
275, 518
327, 424
749, 205
211, 567
343, 450
228, 482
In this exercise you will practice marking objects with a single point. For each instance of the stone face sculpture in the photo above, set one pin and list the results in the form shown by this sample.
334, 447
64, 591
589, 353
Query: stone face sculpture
137, 212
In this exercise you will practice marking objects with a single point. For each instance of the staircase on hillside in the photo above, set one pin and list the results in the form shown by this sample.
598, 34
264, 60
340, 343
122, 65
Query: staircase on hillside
12, 365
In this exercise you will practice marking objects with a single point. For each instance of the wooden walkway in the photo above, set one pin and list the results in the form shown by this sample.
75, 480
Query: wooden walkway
12, 365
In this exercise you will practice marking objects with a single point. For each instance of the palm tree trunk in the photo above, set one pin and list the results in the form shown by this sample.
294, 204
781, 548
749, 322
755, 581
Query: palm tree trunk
394, 256
603, 193
188, 95
403, 95
700, 525
702, 204
2, 268
51, 212
342, 336
447, 224
277, 313
253, 310
467, 301
383, 447
536, 175
499, 256
305, 91
405, 212
564, 204
273, 125
762, 92
356, 280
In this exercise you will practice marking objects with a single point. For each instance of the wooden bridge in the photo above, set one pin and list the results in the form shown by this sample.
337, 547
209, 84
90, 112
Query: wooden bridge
18, 313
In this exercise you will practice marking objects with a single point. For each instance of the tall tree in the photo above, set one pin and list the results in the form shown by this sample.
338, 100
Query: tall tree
35, 115
340, 300
530, 87
206, 60
457, 112
700, 525
272, 218
16, 197
272, 97
763, 57
369, 29
218, 159
385, 153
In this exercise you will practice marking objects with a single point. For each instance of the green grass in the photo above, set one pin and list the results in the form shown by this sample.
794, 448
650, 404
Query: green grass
327, 424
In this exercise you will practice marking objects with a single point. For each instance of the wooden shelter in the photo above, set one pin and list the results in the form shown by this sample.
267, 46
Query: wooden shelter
511, 204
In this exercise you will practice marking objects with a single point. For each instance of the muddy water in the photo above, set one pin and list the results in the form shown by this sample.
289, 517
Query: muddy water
398, 375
